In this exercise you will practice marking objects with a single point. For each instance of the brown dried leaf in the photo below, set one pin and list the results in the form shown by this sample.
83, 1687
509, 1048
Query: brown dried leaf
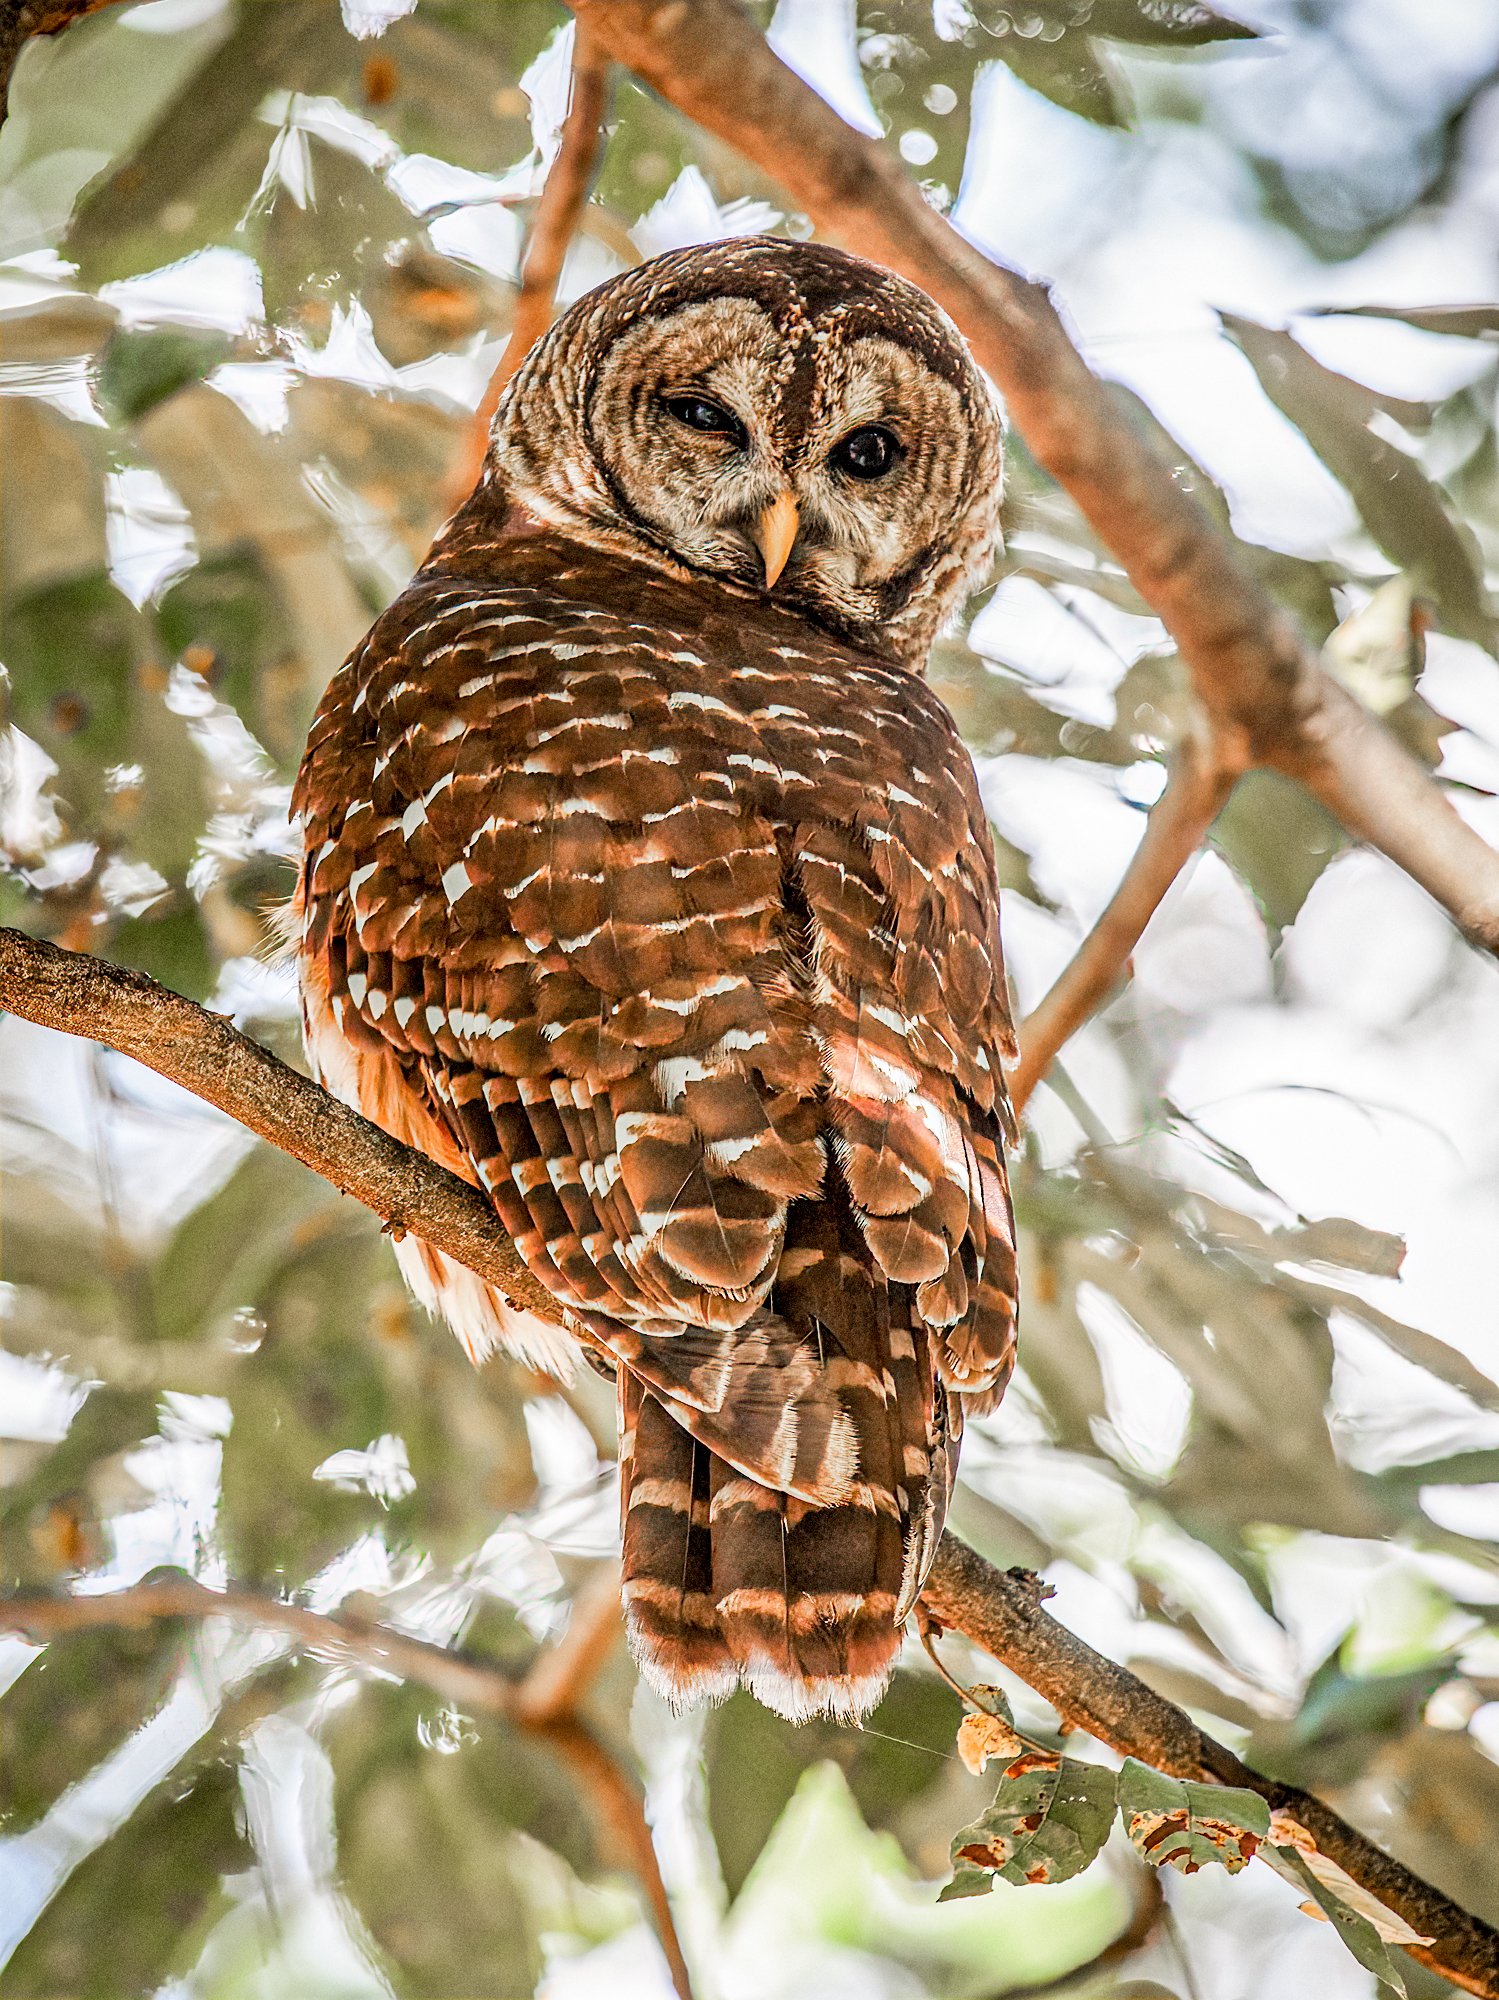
985, 1736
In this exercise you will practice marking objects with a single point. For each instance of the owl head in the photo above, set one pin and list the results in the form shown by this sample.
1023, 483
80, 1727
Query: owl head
777, 417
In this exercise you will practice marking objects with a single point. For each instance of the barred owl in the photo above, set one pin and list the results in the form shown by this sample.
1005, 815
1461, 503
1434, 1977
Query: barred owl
647, 886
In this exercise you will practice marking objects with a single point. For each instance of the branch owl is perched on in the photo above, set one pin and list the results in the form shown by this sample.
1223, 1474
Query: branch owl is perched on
648, 887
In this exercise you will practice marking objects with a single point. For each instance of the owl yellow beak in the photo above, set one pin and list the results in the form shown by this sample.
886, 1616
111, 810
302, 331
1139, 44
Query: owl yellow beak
774, 533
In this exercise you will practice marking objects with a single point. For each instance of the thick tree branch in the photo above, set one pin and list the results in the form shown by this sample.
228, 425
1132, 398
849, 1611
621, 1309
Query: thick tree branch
1265, 690
199, 1050
552, 229
1177, 826
178, 1039
543, 1702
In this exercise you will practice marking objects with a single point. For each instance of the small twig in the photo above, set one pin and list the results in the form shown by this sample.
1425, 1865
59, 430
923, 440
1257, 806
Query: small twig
44, 1615
542, 1703
620, 1807
1177, 825
560, 1675
558, 211
927, 1629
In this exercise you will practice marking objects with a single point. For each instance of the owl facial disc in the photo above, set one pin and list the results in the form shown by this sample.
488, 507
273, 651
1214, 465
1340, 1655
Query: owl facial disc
778, 416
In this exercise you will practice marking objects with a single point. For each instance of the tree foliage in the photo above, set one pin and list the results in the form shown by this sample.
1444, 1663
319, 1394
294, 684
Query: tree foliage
257, 263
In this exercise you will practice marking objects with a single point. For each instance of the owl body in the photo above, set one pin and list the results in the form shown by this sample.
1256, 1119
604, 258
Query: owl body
663, 908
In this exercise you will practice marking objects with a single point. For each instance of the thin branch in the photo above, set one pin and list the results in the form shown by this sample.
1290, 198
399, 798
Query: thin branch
559, 1675
563, 198
129, 1012
1177, 825
1002, 1612
620, 1807
543, 1702
43, 1615
1265, 690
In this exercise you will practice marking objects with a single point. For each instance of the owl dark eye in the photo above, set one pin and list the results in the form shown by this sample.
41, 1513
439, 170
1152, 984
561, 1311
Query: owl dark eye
700, 415
867, 453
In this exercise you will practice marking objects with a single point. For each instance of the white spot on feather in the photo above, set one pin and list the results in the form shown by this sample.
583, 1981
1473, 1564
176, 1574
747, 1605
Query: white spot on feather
693, 698
673, 1074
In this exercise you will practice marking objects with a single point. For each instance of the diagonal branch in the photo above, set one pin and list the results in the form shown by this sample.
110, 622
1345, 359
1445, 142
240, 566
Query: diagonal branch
128, 1012
1265, 691
1001, 1611
563, 197
1195, 792
543, 1702
178, 1039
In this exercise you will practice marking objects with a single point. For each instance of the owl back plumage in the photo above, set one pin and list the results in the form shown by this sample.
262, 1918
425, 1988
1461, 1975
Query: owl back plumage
669, 919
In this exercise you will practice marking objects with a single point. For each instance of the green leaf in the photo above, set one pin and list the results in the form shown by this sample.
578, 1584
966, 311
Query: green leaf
1175, 1823
1404, 512
1356, 1931
1279, 838
1071, 72
1174, 24
1464, 322
1049, 1819
139, 370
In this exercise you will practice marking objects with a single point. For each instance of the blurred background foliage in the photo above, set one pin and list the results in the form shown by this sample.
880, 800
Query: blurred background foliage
257, 260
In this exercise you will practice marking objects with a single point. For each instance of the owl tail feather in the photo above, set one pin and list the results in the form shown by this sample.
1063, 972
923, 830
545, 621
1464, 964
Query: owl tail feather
726, 1580
729, 1580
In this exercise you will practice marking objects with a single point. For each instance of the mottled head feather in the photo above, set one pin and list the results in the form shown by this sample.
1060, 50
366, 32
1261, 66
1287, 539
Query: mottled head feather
802, 345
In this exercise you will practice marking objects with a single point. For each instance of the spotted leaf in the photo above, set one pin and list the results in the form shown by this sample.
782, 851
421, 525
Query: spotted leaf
1175, 1823
1049, 1819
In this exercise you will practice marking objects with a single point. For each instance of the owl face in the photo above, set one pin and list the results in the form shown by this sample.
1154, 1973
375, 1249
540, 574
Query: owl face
777, 416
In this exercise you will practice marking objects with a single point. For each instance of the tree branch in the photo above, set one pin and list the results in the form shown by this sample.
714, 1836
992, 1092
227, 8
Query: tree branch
1264, 688
200, 1051
1002, 1612
543, 1702
178, 1039
553, 226
1195, 792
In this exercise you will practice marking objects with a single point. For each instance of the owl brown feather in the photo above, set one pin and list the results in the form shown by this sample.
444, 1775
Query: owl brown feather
664, 908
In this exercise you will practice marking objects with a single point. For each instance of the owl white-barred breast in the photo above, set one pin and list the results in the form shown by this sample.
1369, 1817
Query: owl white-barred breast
647, 886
